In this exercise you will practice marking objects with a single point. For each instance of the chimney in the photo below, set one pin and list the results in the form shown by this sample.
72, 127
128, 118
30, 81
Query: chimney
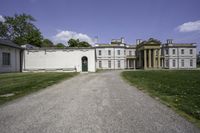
96, 39
138, 41
122, 40
169, 41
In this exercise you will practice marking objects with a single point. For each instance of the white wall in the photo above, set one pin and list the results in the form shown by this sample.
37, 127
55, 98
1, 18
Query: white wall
58, 59
178, 57
14, 59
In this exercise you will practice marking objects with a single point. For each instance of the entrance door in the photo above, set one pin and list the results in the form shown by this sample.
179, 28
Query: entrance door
84, 64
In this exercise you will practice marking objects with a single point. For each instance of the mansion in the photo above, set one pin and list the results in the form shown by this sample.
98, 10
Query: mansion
149, 54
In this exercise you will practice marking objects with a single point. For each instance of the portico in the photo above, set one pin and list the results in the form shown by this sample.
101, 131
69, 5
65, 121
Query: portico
149, 54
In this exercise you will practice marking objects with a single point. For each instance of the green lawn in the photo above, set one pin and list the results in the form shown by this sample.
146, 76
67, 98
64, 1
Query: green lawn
178, 89
14, 85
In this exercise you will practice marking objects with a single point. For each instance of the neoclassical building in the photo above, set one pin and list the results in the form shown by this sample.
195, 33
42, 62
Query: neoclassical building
149, 54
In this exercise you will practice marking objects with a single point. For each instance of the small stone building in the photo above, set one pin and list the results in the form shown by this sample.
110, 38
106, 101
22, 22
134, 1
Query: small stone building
10, 57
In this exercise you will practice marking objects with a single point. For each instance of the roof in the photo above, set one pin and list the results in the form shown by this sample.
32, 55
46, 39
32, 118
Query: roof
183, 45
9, 44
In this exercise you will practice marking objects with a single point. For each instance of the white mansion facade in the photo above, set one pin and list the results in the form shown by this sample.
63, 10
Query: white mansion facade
150, 54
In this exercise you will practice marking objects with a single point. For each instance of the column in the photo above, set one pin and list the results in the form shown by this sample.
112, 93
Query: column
128, 64
154, 58
158, 58
149, 58
140, 59
145, 57
134, 63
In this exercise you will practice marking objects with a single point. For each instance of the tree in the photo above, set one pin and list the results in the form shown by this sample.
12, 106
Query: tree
60, 45
20, 29
47, 43
77, 43
73, 43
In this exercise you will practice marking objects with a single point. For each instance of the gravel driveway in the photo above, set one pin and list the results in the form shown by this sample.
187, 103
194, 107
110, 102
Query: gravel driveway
91, 103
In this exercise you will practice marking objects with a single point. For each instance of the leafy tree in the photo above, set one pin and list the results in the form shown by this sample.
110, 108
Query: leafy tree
77, 43
73, 43
20, 29
60, 45
47, 43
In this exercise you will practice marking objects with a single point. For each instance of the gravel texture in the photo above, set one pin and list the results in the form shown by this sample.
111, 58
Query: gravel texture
91, 103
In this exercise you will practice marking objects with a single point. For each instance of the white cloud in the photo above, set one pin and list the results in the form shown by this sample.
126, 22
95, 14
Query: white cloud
189, 26
64, 36
2, 18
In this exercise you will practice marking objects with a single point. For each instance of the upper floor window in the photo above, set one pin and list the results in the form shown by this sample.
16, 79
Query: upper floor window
109, 52
99, 52
118, 52
5, 58
182, 51
100, 64
174, 52
167, 52
130, 53
191, 51
182, 63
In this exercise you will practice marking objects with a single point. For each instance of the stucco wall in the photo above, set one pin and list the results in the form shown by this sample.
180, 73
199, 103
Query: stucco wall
58, 59
14, 59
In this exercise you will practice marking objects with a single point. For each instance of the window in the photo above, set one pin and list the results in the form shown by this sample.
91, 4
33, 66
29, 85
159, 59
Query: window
118, 64
100, 64
6, 58
182, 63
174, 63
167, 63
191, 63
191, 51
174, 52
130, 53
167, 52
109, 52
182, 51
99, 52
118, 52
109, 64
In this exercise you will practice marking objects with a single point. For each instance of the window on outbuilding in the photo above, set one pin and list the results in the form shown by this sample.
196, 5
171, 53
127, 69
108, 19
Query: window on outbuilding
5, 58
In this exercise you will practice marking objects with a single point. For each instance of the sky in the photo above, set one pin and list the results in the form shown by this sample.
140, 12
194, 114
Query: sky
60, 20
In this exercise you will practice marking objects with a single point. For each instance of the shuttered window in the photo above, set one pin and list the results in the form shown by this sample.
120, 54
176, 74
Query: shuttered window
6, 58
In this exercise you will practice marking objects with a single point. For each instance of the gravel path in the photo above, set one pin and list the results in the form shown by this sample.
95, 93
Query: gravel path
91, 103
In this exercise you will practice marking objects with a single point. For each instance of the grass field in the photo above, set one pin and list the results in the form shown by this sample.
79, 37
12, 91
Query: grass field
178, 89
14, 85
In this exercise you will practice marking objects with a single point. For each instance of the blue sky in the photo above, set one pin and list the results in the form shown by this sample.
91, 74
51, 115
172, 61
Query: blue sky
59, 20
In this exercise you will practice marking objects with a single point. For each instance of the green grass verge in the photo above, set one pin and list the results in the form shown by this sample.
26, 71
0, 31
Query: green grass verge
179, 90
21, 84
